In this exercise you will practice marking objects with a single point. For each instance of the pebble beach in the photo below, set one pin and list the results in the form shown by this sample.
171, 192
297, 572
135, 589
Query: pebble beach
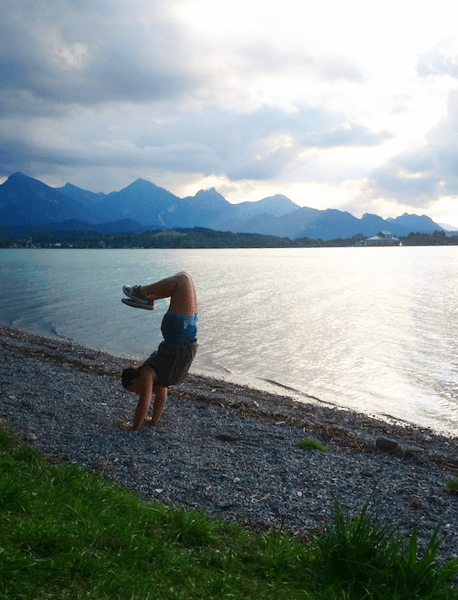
228, 449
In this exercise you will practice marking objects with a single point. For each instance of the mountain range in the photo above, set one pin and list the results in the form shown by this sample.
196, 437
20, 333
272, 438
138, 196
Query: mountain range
27, 203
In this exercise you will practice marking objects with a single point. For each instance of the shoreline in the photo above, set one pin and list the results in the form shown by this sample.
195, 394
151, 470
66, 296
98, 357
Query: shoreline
226, 448
342, 426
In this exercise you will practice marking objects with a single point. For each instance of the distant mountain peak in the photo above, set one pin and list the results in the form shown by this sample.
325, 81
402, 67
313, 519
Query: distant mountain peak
211, 191
208, 199
278, 197
24, 200
88, 199
414, 219
28, 201
20, 177
140, 183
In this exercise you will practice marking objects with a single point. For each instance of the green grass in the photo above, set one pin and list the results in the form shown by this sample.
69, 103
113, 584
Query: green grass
68, 534
311, 444
366, 559
452, 486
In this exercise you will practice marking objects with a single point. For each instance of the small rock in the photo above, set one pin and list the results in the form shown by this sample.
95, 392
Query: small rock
222, 437
385, 444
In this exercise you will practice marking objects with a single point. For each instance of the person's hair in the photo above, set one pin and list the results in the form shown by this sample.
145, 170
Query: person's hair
129, 375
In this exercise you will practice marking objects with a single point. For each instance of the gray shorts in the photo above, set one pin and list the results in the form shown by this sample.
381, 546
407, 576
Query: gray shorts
171, 362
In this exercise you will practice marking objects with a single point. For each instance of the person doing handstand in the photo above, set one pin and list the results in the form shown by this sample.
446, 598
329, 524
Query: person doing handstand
170, 363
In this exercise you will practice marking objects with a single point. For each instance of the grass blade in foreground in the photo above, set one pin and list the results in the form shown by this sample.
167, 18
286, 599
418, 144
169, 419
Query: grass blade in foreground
369, 560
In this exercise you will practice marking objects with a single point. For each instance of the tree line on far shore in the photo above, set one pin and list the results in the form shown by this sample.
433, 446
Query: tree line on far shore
199, 237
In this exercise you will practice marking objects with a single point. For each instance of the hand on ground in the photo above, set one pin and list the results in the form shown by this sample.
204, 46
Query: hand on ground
127, 425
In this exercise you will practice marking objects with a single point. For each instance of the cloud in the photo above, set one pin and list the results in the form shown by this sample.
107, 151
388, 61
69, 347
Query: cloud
265, 58
256, 145
346, 135
69, 53
423, 174
260, 97
404, 187
128, 79
426, 173
441, 59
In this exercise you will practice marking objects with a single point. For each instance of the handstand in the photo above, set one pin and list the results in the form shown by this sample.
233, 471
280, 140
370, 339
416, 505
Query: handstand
170, 363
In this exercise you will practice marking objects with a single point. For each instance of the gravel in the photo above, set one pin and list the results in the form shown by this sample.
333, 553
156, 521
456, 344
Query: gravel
228, 449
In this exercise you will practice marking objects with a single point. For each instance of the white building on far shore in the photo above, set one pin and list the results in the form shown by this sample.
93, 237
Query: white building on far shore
384, 238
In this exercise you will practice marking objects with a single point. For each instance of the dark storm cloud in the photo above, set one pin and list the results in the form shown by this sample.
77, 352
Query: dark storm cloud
71, 53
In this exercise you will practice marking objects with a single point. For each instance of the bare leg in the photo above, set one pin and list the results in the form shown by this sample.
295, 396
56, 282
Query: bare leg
179, 288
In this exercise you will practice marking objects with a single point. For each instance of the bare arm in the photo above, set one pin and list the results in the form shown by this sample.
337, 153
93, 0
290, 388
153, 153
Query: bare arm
141, 411
160, 398
144, 388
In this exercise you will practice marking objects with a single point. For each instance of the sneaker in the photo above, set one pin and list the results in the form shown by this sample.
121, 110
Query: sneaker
133, 293
136, 304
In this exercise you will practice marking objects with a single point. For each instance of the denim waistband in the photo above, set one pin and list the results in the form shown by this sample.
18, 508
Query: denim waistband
178, 329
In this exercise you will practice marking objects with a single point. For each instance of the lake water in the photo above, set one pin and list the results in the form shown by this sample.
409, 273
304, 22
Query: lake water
371, 329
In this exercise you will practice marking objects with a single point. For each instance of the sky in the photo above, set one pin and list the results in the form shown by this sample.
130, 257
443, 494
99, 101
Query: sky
349, 105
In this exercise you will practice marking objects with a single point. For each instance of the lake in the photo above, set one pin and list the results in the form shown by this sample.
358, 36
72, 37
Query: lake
370, 329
